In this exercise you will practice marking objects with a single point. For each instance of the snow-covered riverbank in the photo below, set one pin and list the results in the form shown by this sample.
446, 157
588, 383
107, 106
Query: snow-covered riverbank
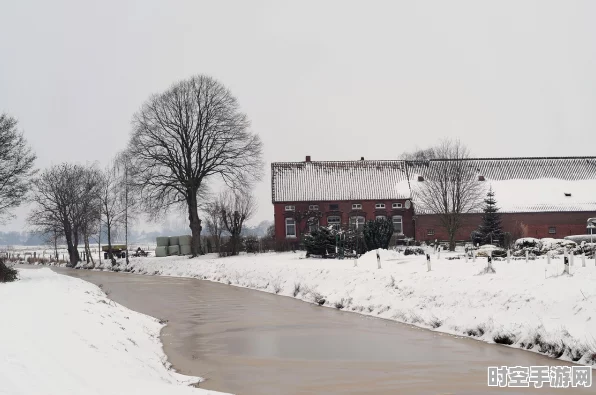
62, 335
530, 305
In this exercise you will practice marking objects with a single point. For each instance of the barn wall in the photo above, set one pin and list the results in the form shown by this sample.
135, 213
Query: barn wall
369, 212
518, 224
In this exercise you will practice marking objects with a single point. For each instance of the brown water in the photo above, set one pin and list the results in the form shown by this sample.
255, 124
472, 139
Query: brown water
249, 342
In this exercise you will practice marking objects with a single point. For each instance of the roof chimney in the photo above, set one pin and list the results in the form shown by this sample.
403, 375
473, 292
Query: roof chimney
362, 158
307, 158
480, 178
420, 178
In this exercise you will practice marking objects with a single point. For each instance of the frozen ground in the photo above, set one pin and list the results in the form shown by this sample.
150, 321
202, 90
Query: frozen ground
61, 335
530, 305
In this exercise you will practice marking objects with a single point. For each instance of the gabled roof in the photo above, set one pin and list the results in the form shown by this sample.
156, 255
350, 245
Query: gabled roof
336, 181
520, 184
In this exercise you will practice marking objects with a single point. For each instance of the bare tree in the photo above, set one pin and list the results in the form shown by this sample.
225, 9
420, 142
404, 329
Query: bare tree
16, 166
118, 203
66, 199
89, 208
420, 154
451, 188
237, 208
184, 136
214, 219
112, 212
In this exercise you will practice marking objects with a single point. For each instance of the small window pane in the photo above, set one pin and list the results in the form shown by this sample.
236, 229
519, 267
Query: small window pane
313, 207
290, 208
430, 232
356, 222
552, 230
334, 207
356, 206
290, 227
334, 221
380, 205
397, 224
396, 205
380, 217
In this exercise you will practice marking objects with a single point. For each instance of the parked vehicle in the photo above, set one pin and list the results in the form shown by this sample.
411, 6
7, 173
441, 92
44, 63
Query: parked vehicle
118, 250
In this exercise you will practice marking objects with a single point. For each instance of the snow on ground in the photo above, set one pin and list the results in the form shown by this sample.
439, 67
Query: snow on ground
61, 335
531, 304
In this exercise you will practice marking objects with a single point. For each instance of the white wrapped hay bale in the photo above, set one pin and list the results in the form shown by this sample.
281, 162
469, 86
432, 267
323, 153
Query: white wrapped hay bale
185, 240
162, 241
174, 250
185, 249
174, 241
161, 251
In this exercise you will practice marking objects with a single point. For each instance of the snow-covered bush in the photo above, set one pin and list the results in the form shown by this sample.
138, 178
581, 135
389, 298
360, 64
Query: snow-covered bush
251, 244
7, 274
414, 251
491, 250
476, 237
526, 242
320, 241
377, 234
556, 245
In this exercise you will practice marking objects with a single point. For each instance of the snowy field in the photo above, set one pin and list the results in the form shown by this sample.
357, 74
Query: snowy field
526, 305
63, 336
41, 251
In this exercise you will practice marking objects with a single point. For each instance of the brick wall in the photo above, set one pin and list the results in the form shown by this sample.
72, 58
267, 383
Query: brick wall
523, 224
344, 211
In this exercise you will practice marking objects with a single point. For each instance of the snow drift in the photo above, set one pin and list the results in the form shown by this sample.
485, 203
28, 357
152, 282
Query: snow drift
62, 335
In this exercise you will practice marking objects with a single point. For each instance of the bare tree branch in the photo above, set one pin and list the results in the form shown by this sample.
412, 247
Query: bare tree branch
182, 138
16, 166
237, 207
451, 187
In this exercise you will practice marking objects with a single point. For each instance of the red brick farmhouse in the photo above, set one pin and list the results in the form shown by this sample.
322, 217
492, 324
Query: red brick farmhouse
538, 197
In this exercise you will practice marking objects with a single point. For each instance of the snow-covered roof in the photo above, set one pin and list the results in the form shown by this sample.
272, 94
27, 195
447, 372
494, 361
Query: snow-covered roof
544, 194
528, 184
520, 184
336, 181
562, 168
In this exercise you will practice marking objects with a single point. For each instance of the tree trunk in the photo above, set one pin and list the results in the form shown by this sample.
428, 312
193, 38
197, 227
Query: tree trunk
451, 240
195, 224
71, 247
126, 213
99, 244
76, 255
235, 243
56, 245
110, 254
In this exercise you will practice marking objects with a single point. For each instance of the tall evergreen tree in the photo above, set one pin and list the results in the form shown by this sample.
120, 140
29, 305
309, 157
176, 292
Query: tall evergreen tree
491, 229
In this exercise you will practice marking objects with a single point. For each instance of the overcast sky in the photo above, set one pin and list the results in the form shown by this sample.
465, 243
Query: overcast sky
336, 80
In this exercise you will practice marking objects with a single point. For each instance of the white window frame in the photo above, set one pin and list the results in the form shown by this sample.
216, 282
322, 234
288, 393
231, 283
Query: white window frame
380, 217
356, 206
554, 230
401, 222
396, 205
290, 208
336, 224
380, 205
313, 207
293, 224
357, 221
430, 232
